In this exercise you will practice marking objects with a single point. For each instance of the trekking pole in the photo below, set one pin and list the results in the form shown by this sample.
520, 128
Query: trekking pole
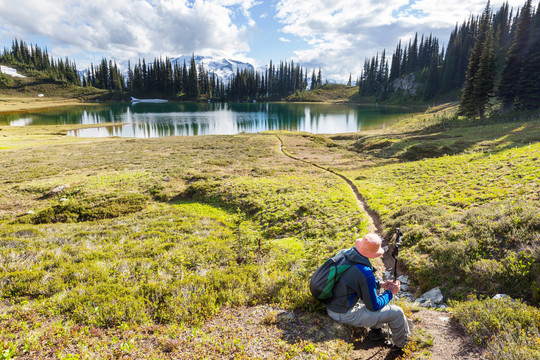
395, 252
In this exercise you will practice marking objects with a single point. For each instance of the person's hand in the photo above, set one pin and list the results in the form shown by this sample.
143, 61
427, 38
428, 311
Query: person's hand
393, 286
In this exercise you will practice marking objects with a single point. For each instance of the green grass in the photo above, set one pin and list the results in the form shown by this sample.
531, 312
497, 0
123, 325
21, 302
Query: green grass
328, 92
153, 240
159, 233
508, 329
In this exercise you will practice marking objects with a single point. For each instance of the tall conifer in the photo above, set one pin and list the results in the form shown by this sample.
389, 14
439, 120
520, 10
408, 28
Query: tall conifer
510, 81
476, 92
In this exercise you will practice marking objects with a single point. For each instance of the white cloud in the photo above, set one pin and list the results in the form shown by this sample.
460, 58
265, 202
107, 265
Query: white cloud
285, 40
342, 33
127, 29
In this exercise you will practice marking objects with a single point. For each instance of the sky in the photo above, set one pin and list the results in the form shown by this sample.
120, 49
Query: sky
335, 35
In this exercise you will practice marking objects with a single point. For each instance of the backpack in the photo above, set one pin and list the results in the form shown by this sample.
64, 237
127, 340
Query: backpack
326, 276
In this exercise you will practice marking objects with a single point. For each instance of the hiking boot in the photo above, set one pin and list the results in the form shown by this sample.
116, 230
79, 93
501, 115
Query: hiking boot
376, 335
396, 351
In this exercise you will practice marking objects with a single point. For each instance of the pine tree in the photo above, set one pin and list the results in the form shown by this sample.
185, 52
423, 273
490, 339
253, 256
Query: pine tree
529, 97
480, 71
432, 83
313, 80
510, 81
193, 84
485, 75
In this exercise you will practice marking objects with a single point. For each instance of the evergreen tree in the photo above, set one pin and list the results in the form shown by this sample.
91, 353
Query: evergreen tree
529, 97
193, 84
509, 87
480, 71
396, 62
485, 76
432, 83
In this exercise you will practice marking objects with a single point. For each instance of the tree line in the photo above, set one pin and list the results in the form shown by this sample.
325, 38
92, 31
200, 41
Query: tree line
164, 78
493, 55
504, 62
32, 58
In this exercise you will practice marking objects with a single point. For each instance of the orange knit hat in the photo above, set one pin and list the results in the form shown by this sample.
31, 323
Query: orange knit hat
370, 246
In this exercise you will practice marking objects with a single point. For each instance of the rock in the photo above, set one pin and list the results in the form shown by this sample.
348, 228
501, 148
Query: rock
30, 212
166, 178
404, 279
444, 318
286, 316
430, 299
387, 275
405, 295
57, 190
63, 199
407, 84
442, 306
404, 287
502, 296
385, 248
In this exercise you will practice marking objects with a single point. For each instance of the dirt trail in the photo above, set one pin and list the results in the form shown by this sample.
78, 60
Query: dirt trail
449, 340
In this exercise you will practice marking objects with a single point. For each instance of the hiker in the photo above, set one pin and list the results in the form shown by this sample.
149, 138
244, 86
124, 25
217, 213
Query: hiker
355, 301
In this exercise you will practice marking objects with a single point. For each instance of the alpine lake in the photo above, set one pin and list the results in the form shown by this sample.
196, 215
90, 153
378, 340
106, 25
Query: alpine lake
149, 120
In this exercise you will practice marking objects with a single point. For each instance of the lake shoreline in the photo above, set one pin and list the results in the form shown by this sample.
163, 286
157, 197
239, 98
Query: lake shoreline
21, 104
192, 118
18, 104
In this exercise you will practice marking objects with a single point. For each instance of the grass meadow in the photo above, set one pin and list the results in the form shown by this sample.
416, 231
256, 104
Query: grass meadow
201, 247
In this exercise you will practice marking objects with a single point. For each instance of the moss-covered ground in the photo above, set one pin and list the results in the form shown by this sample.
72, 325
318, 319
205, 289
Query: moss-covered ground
201, 247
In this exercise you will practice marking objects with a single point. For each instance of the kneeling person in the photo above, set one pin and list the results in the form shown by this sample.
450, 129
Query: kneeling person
355, 301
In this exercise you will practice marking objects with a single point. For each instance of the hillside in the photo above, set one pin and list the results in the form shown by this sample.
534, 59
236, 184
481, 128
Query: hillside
201, 247
22, 92
326, 93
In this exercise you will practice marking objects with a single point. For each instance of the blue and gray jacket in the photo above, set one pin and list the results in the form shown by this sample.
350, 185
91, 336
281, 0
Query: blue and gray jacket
357, 284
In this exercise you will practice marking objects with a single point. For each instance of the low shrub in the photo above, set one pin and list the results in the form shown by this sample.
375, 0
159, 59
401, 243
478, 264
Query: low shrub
508, 329
90, 209
489, 249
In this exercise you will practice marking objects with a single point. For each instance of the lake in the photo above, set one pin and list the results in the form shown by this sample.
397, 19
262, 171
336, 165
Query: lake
146, 120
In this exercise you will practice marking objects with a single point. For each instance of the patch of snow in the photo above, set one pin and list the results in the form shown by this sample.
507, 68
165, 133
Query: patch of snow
21, 122
10, 71
223, 68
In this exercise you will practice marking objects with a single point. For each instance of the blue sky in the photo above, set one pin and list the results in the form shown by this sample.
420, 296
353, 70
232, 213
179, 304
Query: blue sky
336, 35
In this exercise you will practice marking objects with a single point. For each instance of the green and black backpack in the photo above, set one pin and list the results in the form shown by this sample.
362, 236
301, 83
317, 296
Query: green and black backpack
327, 275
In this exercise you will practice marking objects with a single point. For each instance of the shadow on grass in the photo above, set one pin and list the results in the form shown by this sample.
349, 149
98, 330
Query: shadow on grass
453, 136
299, 326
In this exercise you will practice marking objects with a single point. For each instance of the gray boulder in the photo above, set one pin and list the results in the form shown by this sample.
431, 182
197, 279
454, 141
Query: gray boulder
430, 299
405, 295
404, 279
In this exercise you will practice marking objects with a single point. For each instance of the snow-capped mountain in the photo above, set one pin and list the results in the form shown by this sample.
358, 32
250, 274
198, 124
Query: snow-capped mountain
223, 68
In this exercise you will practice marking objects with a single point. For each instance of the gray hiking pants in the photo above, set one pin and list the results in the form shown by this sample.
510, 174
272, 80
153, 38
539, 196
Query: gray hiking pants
392, 315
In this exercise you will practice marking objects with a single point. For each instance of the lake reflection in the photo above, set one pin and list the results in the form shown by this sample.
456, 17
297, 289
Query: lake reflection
157, 120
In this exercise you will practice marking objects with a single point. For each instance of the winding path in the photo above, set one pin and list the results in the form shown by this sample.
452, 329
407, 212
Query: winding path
374, 222
449, 340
